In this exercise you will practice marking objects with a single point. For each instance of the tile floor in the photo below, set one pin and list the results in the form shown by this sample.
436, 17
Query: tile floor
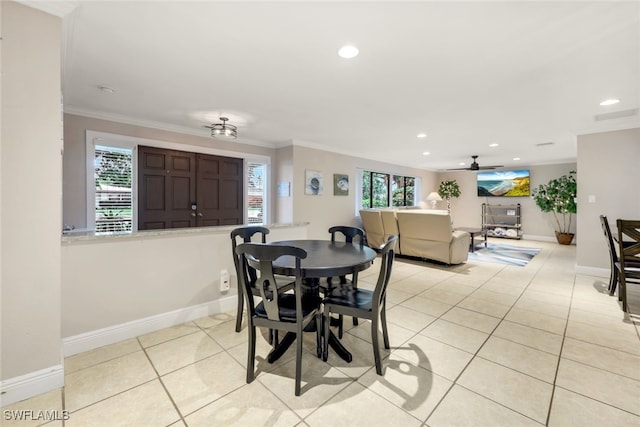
480, 344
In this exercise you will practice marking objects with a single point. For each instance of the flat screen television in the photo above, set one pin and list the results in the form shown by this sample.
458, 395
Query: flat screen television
504, 183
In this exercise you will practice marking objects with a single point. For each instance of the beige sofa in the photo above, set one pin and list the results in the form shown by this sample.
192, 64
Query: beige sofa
423, 233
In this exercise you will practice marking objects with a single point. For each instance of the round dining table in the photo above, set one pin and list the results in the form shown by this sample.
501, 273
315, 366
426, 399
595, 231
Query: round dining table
324, 259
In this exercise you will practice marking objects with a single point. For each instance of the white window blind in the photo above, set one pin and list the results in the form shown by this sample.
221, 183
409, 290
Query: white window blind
113, 175
256, 195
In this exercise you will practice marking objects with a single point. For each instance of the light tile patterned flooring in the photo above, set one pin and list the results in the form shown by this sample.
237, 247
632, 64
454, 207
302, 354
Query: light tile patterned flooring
474, 345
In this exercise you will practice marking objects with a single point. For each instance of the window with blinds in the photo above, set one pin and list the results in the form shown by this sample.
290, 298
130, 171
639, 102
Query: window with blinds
256, 193
113, 167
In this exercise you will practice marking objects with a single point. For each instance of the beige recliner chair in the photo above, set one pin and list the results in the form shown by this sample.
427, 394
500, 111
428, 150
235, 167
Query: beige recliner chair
431, 236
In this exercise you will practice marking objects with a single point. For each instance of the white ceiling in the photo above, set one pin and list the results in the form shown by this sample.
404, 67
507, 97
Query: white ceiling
467, 74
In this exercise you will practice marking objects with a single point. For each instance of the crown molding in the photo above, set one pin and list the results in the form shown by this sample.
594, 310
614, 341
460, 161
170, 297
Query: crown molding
118, 118
56, 8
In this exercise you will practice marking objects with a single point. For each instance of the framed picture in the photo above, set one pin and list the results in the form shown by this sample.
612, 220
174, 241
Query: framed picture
340, 184
313, 183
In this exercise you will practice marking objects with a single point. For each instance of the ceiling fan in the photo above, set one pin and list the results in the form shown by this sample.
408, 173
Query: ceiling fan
474, 166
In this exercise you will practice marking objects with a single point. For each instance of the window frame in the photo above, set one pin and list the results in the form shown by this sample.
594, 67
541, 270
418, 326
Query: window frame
359, 183
93, 138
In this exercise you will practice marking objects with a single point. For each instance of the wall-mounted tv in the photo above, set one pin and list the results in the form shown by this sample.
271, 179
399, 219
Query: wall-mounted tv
504, 183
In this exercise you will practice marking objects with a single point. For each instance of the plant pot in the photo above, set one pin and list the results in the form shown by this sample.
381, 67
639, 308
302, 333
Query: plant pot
564, 238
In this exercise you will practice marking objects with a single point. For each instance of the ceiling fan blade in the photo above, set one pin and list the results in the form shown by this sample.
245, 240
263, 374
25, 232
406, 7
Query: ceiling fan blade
490, 167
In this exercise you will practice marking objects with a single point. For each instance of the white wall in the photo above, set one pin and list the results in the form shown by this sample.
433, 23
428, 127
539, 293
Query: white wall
326, 210
31, 182
609, 171
283, 173
111, 280
467, 209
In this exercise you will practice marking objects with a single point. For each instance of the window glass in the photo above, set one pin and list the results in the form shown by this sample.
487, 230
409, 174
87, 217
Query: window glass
113, 168
256, 192
381, 190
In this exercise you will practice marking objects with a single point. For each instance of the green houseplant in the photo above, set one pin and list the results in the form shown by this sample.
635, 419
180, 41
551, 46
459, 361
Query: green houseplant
449, 190
558, 196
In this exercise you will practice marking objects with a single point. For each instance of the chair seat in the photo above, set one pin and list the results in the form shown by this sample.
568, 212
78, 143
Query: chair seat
348, 296
287, 307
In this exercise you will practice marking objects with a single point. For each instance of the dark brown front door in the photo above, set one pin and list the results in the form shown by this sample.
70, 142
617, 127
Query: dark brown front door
167, 188
219, 190
180, 189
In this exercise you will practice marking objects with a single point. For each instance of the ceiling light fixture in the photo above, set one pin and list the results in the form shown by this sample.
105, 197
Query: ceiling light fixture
348, 52
516, 158
421, 135
612, 101
495, 144
426, 153
223, 130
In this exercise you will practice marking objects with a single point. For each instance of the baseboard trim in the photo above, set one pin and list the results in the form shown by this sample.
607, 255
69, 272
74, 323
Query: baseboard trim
112, 334
15, 389
538, 238
592, 271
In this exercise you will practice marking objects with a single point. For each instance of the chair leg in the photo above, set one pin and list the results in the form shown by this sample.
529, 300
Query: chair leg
240, 310
319, 348
340, 325
383, 320
251, 353
622, 294
376, 344
325, 330
613, 281
298, 360
355, 319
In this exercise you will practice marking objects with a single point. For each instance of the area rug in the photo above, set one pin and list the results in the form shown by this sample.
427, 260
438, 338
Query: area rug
504, 254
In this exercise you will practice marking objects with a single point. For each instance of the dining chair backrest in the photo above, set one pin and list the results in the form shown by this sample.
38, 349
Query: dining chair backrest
387, 253
266, 283
609, 237
350, 233
245, 234
629, 242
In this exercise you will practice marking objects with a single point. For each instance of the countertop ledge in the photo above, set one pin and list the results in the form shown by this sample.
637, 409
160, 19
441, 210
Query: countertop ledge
90, 236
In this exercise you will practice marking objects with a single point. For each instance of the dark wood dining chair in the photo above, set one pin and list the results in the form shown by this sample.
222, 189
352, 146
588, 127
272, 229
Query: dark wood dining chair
629, 260
245, 235
613, 254
291, 312
364, 304
349, 234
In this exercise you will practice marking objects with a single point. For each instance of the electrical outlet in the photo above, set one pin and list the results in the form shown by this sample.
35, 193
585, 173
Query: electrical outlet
224, 281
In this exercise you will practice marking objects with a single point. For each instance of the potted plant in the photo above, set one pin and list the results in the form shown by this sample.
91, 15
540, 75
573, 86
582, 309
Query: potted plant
449, 190
559, 197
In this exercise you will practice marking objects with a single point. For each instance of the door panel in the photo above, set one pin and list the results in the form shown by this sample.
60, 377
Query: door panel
167, 188
172, 181
218, 176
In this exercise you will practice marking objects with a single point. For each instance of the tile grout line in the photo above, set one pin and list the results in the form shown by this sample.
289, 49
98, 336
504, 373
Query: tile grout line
564, 336
164, 387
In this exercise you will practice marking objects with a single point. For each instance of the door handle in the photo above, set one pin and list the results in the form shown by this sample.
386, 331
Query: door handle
193, 214
200, 214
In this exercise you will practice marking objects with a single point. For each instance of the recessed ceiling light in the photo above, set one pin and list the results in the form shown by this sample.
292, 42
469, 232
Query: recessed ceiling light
461, 163
612, 101
516, 158
348, 52
495, 144
426, 153
421, 135
107, 89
